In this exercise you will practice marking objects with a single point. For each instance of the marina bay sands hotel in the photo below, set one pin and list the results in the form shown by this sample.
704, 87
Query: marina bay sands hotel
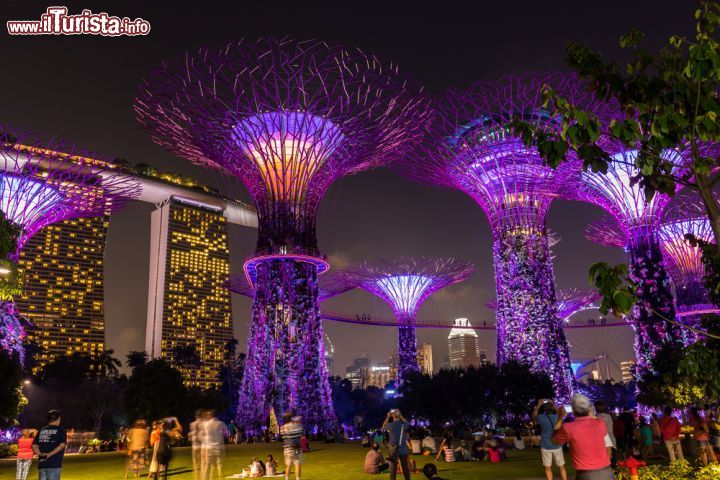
188, 305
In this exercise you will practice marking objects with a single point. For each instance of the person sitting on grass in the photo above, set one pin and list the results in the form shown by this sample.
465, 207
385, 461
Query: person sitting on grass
271, 466
429, 445
446, 450
430, 471
257, 468
374, 461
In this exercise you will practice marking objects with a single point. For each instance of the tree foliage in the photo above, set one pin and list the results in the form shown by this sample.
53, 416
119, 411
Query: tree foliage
665, 101
11, 398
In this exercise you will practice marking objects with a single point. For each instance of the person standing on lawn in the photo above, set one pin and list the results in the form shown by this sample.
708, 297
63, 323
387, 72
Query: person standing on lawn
545, 415
25, 454
397, 428
49, 445
214, 433
670, 430
291, 431
586, 436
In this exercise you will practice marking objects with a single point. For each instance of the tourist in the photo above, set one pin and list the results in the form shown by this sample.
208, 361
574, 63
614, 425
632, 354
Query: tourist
137, 443
586, 436
195, 437
545, 415
627, 417
430, 471
49, 445
670, 430
701, 433
257, 468
162, 450
518, 441
446, 450
154, 437
619, 434
374, 461
601, 412
645, 440
304, 444
429, 444
416, 446
271, 466
291, 431
213, 433
25, 454
397, 428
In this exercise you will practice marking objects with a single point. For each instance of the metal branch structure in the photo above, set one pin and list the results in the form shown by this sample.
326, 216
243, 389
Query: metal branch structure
47, 182
329, 286
404, 284
473, 149
637, 220
684, 262
607, 232
287, 118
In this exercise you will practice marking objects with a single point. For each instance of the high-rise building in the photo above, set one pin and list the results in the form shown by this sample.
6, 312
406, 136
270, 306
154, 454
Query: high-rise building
62, 272
627, 370
188, 304
358, 372
379, 376
463, 345
425, 358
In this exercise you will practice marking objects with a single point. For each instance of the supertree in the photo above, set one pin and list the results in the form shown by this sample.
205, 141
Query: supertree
473, 149
684, 262
47, 182
405, 284
637, 219
287, 118
43, 182
329, 286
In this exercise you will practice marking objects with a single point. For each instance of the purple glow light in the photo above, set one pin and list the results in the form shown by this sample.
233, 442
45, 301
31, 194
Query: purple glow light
404, 284
287, 118
473, 149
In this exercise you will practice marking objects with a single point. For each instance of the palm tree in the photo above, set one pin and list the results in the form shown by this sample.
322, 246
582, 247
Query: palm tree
136, 359
105, 365
186, 356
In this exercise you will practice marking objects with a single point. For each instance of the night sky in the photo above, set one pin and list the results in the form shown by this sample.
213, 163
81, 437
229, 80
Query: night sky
82, 88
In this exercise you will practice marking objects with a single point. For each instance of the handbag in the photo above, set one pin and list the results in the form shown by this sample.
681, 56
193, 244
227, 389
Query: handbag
393, 449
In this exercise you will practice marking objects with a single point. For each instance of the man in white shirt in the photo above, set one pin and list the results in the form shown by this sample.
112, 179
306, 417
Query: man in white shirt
195, 436
213, 446
430, 444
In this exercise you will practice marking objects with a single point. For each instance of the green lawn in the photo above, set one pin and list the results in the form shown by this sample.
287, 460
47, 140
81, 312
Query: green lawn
327, 462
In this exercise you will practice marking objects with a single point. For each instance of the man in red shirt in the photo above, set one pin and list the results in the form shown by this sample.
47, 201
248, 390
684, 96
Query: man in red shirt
670, 432
586, 436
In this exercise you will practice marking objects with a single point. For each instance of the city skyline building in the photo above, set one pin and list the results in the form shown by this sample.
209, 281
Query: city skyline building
188, 304
627, 370
63, 288
463, 345
379, 376
425, 358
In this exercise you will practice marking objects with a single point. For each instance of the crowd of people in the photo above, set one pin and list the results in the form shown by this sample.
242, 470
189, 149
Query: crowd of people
599, 441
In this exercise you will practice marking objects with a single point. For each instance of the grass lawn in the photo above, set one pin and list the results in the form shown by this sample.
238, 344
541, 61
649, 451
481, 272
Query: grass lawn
327, 462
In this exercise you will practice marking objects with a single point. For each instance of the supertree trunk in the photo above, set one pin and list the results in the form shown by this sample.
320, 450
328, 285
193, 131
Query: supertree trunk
652, 330
692, 297
285, 367
407, 349
528, 328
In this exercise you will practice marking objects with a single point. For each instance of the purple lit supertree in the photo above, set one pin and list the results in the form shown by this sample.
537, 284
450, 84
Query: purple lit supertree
474, 150
43, 183
329, 286
405, 284
684, 263
287, 118
47, 182
637, 221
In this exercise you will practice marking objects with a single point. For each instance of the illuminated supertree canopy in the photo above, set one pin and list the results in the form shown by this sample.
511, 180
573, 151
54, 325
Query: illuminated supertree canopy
287, 118
404, 284
637, 220
46, 182
329, 286
684, 262
473, 149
